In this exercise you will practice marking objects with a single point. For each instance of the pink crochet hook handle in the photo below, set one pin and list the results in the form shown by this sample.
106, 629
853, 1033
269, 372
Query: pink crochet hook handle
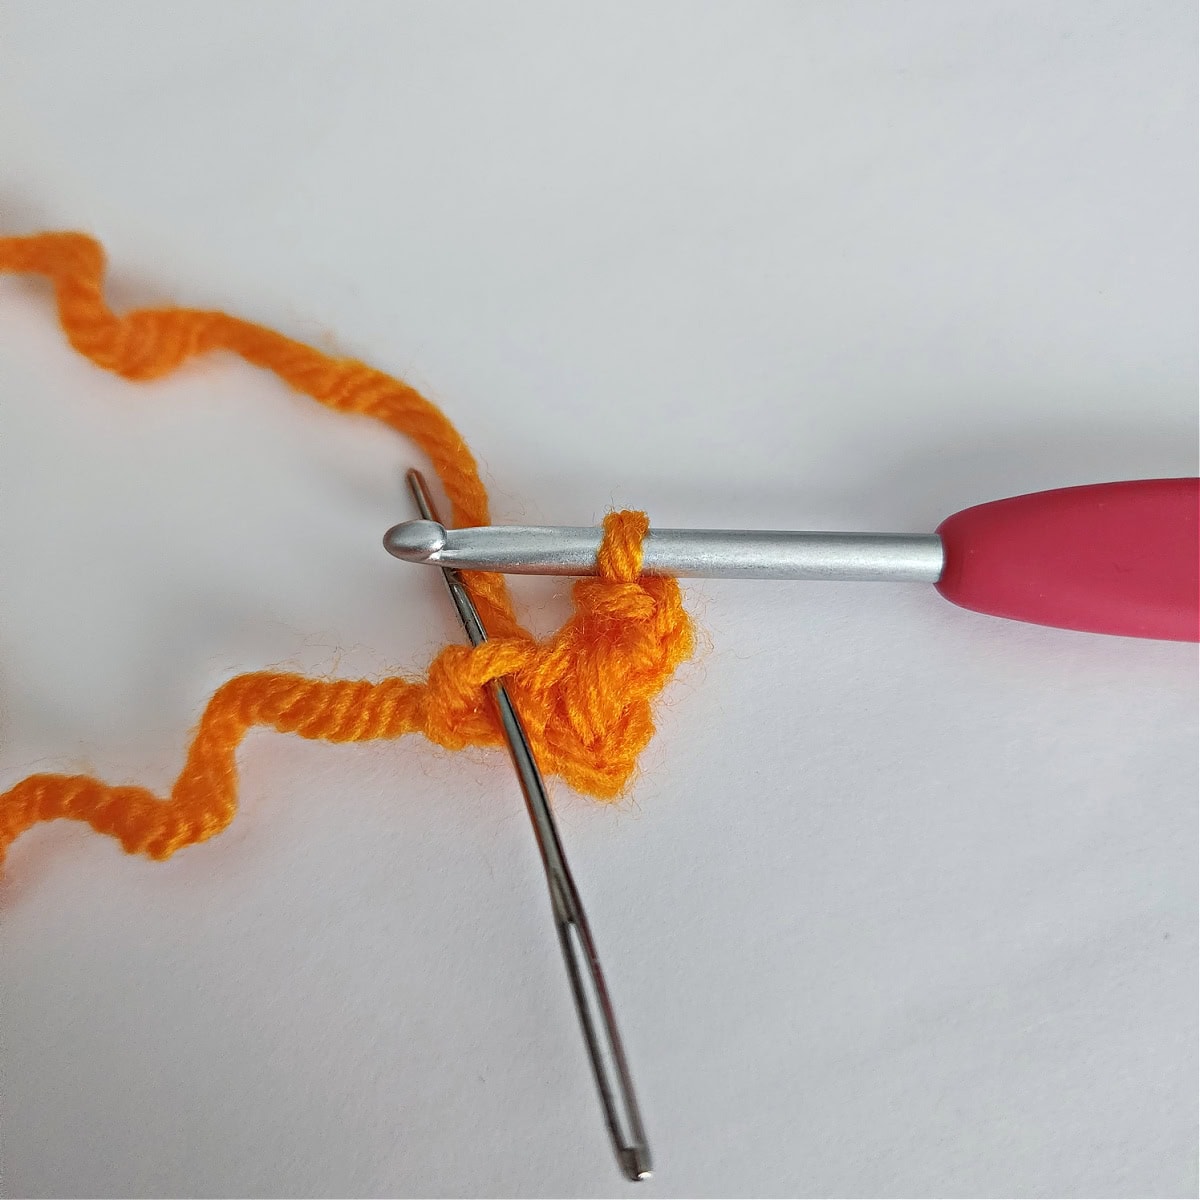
1118, 558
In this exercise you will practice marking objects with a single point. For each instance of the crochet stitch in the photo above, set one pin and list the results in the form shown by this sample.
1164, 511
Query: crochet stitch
584, 694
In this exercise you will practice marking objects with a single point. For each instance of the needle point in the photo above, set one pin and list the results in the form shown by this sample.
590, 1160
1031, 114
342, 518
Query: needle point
635, 1162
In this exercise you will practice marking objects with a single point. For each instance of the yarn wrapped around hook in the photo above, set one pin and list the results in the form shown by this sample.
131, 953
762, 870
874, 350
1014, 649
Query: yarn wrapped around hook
584, 693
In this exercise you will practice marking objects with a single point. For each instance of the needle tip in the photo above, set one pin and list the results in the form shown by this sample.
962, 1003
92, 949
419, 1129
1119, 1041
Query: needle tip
635, 1161
415, 541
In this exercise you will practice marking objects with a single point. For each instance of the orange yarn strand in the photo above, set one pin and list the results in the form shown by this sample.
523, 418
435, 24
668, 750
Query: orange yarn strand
584, 694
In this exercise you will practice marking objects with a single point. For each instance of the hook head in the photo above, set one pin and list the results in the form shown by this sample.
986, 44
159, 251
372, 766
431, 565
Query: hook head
415, 541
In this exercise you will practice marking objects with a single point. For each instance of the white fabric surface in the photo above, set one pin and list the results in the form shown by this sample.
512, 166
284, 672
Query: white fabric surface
903, 902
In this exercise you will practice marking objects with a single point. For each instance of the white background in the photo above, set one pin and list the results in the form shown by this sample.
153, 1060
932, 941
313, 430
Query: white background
904, 899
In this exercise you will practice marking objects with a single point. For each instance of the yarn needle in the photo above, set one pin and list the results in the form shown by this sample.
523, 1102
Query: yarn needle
588, 989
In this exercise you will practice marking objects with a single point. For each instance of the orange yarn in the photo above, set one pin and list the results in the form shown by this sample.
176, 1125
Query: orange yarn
584, 694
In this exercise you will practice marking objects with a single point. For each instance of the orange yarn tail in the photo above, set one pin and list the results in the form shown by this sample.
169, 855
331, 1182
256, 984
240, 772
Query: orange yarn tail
584, 694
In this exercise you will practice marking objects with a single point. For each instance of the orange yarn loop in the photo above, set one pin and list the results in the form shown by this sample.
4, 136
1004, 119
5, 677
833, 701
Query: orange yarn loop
584, 694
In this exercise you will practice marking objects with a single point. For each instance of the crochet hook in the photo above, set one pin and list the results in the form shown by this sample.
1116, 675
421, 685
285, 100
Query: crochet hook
588, 989
1117, 558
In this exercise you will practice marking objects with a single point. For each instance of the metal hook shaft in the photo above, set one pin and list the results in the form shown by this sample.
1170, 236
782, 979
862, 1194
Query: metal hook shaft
592, 1003
694, 553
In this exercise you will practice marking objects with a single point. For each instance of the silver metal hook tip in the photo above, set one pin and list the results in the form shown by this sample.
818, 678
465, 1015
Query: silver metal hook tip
415, 541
